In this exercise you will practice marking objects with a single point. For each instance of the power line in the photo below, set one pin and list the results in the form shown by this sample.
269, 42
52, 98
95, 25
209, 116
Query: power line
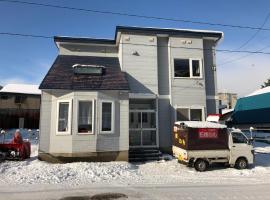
246, 42
190, 48
255, 34
242, 57
136, 15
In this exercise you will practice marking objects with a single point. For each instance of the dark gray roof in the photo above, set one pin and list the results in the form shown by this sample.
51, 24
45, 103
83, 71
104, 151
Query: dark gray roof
84, 40
142, 30
169, 31
61, 75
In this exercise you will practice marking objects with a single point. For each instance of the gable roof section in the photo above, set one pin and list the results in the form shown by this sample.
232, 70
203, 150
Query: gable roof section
62, 76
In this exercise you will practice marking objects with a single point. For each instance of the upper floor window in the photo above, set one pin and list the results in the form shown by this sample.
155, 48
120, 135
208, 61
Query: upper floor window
187, 68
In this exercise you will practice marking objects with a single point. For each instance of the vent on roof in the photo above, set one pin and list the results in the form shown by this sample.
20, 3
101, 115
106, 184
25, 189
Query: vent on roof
88, 69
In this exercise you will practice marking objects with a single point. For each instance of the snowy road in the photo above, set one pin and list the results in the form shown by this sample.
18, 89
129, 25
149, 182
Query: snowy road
158, 192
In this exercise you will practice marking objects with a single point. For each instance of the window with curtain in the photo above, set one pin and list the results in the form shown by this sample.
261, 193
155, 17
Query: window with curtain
107, 111
85, 120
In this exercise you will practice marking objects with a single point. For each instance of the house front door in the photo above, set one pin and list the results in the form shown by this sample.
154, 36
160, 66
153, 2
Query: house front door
142, 128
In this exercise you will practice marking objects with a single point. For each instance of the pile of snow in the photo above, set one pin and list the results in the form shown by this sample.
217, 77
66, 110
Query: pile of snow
200, 124
168, 171
260, 91
21, 89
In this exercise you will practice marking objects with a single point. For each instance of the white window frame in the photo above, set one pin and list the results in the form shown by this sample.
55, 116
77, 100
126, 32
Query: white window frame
190, 108
93, 116
112, 118
190, 68
68, 132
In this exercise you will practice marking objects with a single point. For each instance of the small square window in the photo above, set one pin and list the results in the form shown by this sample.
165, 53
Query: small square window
196, 114
182, 114
181, 68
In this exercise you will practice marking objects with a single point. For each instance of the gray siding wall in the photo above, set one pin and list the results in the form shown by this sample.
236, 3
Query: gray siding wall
45, 122
165, 124
142, 68
163, 66
210, 77
187, 92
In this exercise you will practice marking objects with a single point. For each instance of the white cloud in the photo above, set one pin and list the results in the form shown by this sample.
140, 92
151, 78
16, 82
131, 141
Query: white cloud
243, 76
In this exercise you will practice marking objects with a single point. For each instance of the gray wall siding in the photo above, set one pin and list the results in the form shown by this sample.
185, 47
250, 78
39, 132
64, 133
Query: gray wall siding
45, 122
163, 66
81, 142
187, 91
210, 77
118, 140
165, 123
142, 68
59, 143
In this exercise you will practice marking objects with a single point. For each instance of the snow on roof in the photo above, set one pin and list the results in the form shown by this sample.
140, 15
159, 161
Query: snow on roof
200, 124
21, 89
226, 110
260, 91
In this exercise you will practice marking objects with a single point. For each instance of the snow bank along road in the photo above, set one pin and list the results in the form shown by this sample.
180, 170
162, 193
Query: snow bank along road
33, 173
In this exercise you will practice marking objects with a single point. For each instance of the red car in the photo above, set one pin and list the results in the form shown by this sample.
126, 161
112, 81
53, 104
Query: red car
12, 151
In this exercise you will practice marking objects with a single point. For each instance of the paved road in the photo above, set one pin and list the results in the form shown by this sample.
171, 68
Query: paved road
185, 192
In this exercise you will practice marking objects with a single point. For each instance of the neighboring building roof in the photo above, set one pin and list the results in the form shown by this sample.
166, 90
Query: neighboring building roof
200, 124
260, 91
145, 30
62, 76
21, 89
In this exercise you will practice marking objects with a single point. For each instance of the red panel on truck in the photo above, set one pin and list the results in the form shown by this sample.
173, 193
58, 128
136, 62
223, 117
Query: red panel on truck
200, 138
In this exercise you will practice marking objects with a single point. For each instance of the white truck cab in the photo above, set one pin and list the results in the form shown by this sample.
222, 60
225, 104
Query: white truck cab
241, 149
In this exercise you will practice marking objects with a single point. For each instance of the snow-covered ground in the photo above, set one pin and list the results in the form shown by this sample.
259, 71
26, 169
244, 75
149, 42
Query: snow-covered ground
33, 171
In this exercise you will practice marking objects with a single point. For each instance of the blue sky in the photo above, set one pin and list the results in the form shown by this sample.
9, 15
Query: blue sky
26, 60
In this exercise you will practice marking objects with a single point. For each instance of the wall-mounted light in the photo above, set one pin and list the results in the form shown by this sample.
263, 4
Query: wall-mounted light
127, 38
214, 68
151, 39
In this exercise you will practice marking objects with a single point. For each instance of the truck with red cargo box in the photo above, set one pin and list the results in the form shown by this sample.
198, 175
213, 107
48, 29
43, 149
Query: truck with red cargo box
199, 144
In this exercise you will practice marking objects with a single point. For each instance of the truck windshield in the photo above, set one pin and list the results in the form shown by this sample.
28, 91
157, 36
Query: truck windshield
238, 138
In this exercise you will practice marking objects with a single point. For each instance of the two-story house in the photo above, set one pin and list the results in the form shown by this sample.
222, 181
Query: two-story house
102, 97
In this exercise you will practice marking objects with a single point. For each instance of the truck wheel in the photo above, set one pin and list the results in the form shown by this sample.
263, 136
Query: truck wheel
241, 163
201, 165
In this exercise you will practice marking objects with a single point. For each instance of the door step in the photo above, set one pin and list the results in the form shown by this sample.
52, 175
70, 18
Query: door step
144, 154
